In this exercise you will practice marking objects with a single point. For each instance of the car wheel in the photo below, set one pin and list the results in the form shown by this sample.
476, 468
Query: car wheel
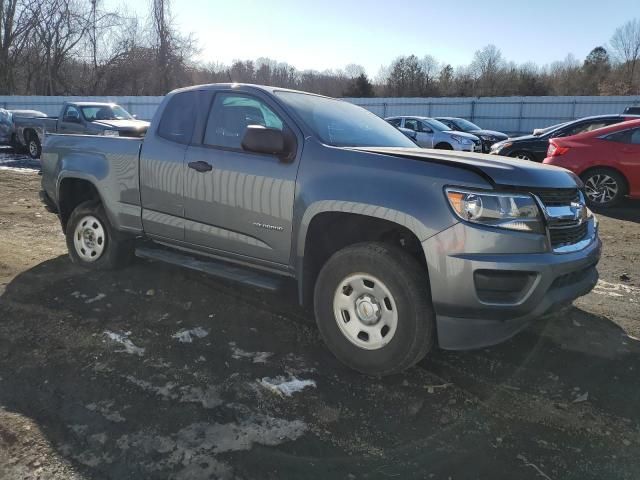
523, 156
604, 187
33, 146
373, 308
444, 146
93, 243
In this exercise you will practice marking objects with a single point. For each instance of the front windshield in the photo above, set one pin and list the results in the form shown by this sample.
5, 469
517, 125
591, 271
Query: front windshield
342, 124
466, 125
105, 112
436, 125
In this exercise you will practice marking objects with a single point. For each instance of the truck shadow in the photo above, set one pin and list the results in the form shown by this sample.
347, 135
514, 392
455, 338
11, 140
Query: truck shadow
628, 210
95, 360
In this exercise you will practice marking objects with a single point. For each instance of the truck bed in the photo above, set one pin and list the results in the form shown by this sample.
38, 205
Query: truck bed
110, 163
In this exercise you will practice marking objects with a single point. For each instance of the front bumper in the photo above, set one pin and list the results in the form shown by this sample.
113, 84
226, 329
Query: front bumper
49, 204
466, 316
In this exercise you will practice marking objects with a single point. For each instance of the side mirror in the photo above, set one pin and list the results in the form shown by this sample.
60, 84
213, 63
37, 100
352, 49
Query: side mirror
427, 130
260, 139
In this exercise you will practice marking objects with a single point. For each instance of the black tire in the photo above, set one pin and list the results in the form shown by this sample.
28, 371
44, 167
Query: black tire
408, 284
117, 249
616, 180
524, 156
444, 146
34, 149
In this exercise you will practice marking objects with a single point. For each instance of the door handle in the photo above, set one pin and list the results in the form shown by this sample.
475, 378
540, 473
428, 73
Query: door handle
201, 166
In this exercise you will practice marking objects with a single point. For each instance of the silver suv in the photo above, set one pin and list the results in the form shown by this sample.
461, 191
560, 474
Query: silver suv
430, 133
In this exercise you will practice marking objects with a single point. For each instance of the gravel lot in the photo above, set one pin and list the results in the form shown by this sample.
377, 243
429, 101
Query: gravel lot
157, 372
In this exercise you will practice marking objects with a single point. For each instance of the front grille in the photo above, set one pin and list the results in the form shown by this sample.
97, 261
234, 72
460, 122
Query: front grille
567, 235
557, 196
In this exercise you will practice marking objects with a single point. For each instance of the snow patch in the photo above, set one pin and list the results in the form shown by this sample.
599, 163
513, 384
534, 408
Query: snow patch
97, 298
187, 336
284, 387
616, 290
208, 397
123, 339
256, 357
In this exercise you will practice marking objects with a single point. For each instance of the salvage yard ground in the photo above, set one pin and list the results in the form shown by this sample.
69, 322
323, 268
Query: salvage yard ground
158, 372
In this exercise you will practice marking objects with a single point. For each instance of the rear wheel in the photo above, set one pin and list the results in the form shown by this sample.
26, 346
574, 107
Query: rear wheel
604, 187
92, 241
33, 145
373, 308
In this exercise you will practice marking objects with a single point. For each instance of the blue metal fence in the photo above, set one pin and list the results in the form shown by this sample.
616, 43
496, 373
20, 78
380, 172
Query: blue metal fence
512, 115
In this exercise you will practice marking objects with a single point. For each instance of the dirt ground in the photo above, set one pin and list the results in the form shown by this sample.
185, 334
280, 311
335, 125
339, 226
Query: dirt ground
158, 372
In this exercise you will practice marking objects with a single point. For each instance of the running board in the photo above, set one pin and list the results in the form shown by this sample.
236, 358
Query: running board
211, 267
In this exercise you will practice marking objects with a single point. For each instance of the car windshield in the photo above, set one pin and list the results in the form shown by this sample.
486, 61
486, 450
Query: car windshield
105, 112
342, 124
466, 125
436, 124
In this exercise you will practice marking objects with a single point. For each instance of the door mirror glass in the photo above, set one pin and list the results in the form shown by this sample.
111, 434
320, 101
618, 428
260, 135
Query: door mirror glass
261, 139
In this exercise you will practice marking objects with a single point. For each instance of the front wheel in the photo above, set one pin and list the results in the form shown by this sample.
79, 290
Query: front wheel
92, 241
604, 188
373, 308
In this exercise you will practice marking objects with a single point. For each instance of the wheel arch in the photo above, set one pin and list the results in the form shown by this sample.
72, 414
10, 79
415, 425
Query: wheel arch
71, 192
325, 232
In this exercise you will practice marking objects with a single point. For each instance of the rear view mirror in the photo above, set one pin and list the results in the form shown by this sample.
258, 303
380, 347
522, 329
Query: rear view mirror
260, 139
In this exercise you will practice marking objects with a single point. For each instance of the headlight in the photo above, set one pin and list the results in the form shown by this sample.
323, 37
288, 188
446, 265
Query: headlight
488, 138
463, 140
111, 133
496, 147
501, 210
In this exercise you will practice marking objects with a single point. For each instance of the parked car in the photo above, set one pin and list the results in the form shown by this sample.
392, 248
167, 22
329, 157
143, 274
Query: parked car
635, 110
396, 247
534, 147
88, 118
607, 160
487, 137
431, 133
6, 127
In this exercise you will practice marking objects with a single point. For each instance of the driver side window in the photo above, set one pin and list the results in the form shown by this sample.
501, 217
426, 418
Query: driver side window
411, 124
231, 114
71, 114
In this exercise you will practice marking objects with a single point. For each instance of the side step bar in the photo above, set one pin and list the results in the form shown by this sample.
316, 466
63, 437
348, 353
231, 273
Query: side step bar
212, 267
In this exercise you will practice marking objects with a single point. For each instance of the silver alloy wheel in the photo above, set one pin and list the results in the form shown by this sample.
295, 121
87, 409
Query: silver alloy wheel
365, 311
89, 239
601, 188
33, 148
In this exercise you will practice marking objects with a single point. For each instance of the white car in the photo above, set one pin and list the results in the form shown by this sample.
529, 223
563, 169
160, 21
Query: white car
431, 133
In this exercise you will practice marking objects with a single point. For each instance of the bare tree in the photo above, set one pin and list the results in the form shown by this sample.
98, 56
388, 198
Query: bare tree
625, 43
16, 24
486, 66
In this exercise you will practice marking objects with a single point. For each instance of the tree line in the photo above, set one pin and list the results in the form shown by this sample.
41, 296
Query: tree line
80, 47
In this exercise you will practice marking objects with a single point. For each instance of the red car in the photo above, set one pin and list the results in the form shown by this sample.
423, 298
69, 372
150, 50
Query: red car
607, 160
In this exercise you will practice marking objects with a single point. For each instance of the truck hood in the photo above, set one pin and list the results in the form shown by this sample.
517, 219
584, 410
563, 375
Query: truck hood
502, 172
123, 124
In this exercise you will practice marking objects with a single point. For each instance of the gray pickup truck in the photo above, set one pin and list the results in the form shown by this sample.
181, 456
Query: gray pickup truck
397, 248
87, 118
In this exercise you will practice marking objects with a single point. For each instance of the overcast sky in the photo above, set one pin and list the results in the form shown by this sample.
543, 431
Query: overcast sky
329, 34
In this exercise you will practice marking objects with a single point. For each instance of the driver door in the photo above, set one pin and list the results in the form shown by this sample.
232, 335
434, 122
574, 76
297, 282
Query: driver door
424, 133
71, 121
